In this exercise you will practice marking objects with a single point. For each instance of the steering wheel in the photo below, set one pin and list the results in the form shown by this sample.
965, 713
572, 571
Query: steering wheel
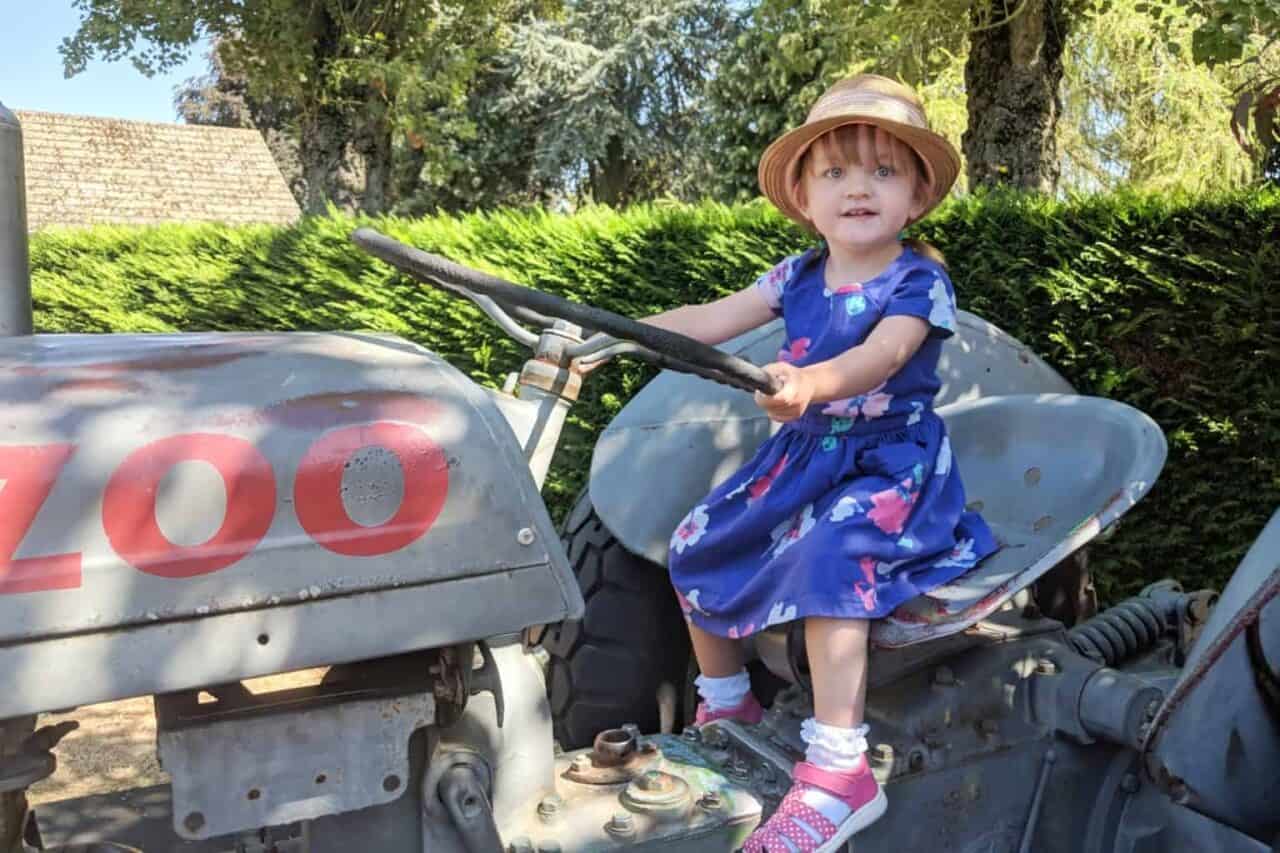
668, 349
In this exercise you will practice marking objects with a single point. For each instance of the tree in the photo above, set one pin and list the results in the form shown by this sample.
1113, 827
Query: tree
1012, 77
354, 72
1137, 112
612, 93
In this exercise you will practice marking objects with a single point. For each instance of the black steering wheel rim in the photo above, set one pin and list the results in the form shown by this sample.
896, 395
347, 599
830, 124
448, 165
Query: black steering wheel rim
674, 350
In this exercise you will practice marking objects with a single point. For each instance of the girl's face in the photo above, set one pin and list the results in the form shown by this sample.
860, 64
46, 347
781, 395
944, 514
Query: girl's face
859, 186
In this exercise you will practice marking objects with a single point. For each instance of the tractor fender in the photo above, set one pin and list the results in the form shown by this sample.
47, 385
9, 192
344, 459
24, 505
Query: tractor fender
681, 436
184, 510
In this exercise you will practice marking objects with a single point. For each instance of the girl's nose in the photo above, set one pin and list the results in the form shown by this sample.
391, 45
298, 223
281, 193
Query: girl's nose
856, 185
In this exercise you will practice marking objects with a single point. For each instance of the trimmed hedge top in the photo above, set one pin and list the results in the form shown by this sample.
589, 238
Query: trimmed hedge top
1168, 304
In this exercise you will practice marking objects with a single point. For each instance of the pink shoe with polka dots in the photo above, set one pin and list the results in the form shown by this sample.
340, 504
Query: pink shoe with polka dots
797, 826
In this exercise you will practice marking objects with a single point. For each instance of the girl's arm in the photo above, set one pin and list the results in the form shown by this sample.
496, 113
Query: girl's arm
855, 371
716, 322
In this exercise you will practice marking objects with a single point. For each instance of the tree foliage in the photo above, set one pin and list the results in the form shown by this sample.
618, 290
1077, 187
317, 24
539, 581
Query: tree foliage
353, 72
1139, 113
614, 90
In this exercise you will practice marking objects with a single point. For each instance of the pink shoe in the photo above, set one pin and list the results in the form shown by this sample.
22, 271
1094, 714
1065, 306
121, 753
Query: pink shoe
808, 830
746, 711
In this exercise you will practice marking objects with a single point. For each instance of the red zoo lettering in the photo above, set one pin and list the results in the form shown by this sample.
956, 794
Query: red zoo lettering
28, 474
317, 489
129, 504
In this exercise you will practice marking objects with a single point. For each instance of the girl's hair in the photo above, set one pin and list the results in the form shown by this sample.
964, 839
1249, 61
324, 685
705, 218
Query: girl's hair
850, 143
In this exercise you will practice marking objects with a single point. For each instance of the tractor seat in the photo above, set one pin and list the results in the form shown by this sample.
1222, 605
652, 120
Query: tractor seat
1048, 472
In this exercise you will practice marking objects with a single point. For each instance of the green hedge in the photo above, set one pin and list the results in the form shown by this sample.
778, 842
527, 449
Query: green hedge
1170, 305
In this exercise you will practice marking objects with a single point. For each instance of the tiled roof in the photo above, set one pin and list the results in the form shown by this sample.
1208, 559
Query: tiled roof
83, 171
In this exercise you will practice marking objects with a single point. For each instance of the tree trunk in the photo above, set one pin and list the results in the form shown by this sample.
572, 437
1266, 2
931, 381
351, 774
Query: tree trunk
1012, 77
374, 150
610, 179
332, 170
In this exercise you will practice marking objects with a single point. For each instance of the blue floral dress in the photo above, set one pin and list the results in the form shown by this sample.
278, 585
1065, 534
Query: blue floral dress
856, 506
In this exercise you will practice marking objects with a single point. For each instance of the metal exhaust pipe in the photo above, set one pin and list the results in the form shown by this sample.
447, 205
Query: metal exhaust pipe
15, 269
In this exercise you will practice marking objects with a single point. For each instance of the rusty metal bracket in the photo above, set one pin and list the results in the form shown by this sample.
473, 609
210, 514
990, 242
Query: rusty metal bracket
618, 755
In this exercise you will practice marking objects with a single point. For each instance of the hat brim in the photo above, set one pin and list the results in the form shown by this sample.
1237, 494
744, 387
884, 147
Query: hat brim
778, 174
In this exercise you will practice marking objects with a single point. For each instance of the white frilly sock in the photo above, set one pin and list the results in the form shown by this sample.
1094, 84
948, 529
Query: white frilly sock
837, 750
723, 693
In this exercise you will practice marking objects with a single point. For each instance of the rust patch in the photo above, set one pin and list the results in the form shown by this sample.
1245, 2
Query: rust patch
162, 360
119, 386
1244, 617
323, 411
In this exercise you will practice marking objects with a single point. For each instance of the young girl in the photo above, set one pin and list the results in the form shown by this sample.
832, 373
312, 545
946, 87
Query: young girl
855, 505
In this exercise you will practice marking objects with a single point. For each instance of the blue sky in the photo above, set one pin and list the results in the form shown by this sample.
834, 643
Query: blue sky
31, 71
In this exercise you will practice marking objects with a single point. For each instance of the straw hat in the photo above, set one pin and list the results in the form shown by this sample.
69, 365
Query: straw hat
865, 99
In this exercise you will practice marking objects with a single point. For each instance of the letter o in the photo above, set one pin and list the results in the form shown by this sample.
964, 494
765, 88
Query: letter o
129, 504
317, 489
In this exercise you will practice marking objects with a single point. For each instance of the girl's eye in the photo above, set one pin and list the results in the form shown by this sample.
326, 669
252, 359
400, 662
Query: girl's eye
835, 172
884, 172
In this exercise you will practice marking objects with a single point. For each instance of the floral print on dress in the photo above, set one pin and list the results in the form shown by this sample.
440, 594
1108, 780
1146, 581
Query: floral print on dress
943, 466
759, 488
773, 283
779, 614
792, 530
854, 301
868, 406
866, 588
689, 602
794, 350
836, 537
690, 529
893, 505
846, 507
961, 556
943, 312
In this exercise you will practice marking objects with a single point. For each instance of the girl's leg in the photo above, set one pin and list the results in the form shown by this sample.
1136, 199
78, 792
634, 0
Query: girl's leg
718, 657
838, 663
723, 685
834, 794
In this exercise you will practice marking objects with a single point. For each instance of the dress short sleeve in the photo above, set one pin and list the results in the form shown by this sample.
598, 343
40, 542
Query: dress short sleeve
772, 284
926, 292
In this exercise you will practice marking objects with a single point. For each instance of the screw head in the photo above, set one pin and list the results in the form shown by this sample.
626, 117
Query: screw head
525, 536
882, 754
550, 807
1045, 666
622, 823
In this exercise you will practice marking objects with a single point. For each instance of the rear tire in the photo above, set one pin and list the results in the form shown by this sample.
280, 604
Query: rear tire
605, 670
